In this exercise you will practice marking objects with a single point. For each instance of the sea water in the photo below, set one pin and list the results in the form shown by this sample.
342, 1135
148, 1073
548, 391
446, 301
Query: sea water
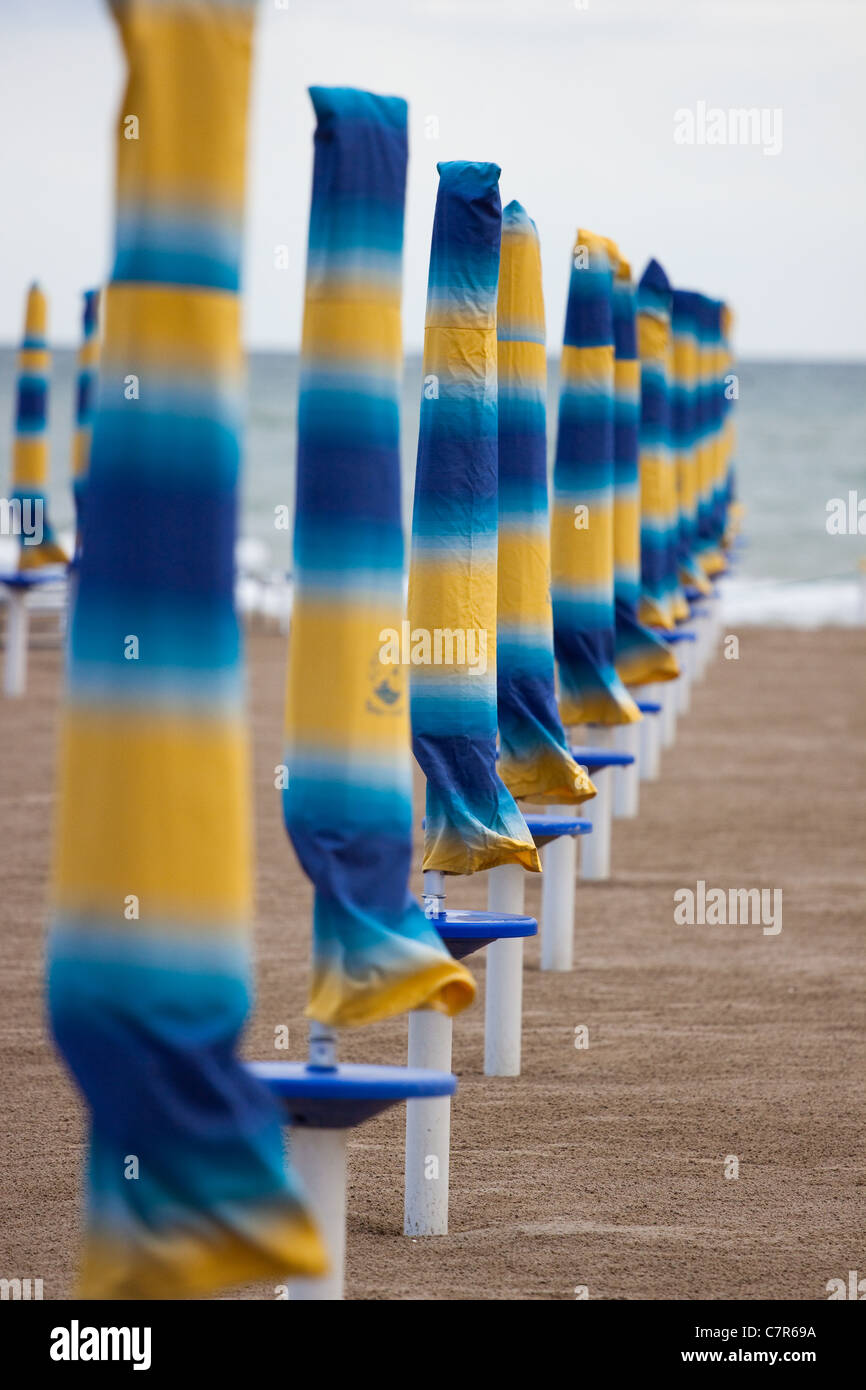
801, 448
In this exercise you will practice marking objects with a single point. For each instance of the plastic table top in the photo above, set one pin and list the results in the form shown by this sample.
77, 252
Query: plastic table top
596, 759
346, 1095
464, 931
544, 828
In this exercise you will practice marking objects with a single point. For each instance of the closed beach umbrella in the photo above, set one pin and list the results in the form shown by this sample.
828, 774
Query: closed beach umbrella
150, 972
733, 509
730, 509
472, 819
662, 601
684, 434
85, 401
534, 759
710, 404
348, 805
590, 690
641, 657
30, 451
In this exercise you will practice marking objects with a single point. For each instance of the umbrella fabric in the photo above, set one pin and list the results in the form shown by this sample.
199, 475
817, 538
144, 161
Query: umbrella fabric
662, 601
684, 434
641, 656
590, 690
709, 412
534, 759
150, 975
30, 452
733, 508
472, 819
348, 805
85, 401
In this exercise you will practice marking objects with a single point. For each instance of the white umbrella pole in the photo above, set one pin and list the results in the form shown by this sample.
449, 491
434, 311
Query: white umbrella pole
669, 699
651, 736
319, 1159
428, 1122
595, 849
428, 1130
503, 1000
558, 885
626, 785
17, 634
686, 658
704, 624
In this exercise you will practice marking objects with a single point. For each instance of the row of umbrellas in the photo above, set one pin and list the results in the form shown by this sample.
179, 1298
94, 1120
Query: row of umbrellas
149, 967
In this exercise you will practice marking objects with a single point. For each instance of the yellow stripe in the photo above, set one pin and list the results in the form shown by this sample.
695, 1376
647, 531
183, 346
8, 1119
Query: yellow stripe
36, 313
653, 337
445, 986
453, 593
34, 361
582, 557
352, 330
523, 363
191, 145
626, 534
320, 714
30, 461
591, 367
524, 579
189, 1264
147, 783
627, 377
467, 355
170, 329
88, 354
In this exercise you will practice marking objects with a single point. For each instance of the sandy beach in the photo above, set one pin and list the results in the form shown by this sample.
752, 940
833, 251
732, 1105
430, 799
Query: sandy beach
601, 1167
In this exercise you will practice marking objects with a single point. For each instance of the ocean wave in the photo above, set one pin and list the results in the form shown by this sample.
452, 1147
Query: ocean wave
801, 604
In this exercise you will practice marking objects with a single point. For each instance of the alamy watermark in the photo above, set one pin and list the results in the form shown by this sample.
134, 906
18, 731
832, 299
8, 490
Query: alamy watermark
439, 646
717, 907
23, 517
846, 516
736, 125
24, 1289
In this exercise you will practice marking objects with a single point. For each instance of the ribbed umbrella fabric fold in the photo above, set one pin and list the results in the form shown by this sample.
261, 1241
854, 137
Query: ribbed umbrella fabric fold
29, 492
662, 601
582, 543
641, 657
684, 434
472, 820
348, 804
149, 955
534, 759
85, 403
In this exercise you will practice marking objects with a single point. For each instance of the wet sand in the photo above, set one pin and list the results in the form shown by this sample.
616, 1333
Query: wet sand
602, 1167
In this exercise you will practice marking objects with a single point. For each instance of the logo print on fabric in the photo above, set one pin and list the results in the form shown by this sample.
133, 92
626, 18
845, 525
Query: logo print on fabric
386, 688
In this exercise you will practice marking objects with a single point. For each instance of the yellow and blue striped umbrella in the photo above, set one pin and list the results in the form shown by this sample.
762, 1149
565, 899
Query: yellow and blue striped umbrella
662, 602
472, 819
641, 656
733, 508
150, 973
684, 433
348, 805
534, 759
30, 452
710, 407
582, 545
85, 401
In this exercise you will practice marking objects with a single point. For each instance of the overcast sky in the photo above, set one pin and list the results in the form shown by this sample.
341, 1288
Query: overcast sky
576, 99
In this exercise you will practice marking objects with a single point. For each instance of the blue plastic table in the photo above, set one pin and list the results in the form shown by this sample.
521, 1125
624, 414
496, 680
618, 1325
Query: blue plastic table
595, 759
344, 1096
